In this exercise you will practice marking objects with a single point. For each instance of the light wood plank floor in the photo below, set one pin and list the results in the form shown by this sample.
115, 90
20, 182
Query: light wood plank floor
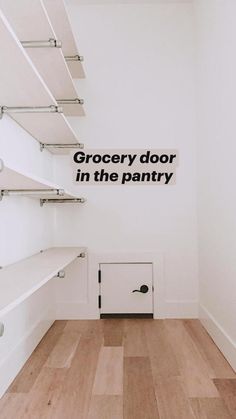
123, 369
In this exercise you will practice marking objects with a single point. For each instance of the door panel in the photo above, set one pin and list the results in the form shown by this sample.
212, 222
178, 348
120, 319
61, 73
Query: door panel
118, 280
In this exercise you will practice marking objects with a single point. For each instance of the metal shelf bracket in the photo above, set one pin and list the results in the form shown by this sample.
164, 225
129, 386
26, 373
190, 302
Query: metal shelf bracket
31, 192
50, 43
60, 274
29, 109
62, 201
74, 58
76, 101
1, 165
63, 146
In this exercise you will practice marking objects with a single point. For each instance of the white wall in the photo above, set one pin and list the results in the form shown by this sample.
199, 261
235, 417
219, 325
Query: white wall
216, 32
25, 227
139, 92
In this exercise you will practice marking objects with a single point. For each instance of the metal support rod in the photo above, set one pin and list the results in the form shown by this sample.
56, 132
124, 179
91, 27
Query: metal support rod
74, 58
30, 192
1, 329
30, 109
50, 43
1, 165
75, 101
62, 201
64, 146
60, 274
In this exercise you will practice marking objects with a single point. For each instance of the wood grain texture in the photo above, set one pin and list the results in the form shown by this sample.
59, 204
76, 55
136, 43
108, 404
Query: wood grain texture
210, 408
134, 338
139, 396
227, 390
63, 352
12, 405
45, 393
195, 371
106, 407
86, 328
208, 350
162, 355
109, 374
172, 400
75, 395
74, 374
29, 373
113, 331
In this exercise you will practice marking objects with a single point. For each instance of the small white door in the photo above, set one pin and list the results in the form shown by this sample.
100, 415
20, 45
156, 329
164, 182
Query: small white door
126, 288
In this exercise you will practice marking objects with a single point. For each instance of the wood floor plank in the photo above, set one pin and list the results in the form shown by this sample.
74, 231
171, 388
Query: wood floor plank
227, 390
162, 356
63, 352
109, 374
29, 373
172, 400
12, 405
113, 330
86, 328
106, 407
139, 396
134, 338
44, 395
194, 370
210, 408
75, 395
208, 350
172, 381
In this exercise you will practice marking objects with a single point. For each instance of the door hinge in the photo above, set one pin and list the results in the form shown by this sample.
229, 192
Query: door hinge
99, 276
99, 301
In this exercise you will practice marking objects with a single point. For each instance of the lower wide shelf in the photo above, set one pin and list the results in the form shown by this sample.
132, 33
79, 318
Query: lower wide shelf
20, 280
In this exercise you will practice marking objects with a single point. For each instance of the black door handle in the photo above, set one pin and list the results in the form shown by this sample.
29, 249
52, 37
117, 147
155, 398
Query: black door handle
143, 289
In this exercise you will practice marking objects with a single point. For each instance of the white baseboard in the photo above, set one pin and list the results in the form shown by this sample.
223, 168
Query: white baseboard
181, 309
218, 334
76, 311
84, 310
13, 363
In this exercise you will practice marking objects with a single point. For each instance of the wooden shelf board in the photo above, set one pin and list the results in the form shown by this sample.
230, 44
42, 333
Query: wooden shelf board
17, 180
20, 280
51, 128
62, 27
30, 21
13, 179
27, 88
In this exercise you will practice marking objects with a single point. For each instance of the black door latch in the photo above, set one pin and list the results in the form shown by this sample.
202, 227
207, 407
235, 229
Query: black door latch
143, 289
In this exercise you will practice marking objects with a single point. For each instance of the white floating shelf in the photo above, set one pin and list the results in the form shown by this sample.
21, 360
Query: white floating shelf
15, 180
21, 85
20, 280
30, 22
60, 21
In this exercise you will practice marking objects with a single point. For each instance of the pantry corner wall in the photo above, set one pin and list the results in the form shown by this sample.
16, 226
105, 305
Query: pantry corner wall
139, 93
216, 34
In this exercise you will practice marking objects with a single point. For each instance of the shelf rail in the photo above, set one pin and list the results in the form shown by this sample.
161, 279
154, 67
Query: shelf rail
62, 201
30, 109
76, 101
62, 145
74, 58
1, 165
30, 192
50, 43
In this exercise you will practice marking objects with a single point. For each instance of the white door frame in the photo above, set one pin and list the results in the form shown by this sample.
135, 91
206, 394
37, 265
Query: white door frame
157, 260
